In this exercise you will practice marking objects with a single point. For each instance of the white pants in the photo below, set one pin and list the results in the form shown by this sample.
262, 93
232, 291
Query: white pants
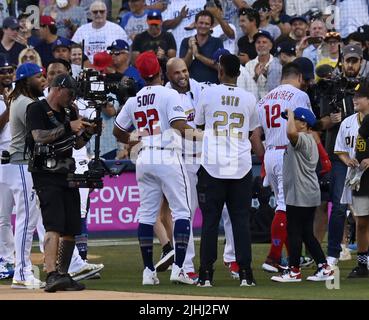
273, 161
19, 181
6, 210
169, 178
229, 254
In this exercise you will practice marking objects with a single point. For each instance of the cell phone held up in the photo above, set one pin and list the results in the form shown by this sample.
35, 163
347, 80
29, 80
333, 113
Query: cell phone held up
314, 40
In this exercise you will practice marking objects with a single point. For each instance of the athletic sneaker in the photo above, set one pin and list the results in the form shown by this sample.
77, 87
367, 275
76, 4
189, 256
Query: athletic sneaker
305, 261
325, 272
233, 269
194, 276
149, 277
6, 273
358, 272
246, 278
179, 276
205, 279
31, 283
62, 282
271, 265
332, 261
87, 271
166, 260
289, 275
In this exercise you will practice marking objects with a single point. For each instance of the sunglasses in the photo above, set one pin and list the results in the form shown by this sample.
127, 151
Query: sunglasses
98, 11
6, 71
117, 53
29, 57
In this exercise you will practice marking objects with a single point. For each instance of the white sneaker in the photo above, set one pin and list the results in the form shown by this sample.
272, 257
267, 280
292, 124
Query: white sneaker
149, 278
87, 271
332, 262
178, 275
345, 254
325, 272
31, 283
289, 275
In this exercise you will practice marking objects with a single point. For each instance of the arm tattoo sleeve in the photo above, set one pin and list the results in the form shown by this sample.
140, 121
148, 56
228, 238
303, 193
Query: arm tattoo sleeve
48, 136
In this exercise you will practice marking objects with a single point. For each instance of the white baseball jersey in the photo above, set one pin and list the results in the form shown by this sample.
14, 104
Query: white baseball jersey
229, 113
270, 108
151, 112
347, 135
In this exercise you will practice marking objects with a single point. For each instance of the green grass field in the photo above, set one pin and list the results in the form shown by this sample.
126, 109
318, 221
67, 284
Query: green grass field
123, 272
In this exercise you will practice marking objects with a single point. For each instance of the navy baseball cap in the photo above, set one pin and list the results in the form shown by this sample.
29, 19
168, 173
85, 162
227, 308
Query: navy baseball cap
263, 33
287, 47
220, 52
302, 114
10, 22
154, 17
119, 45
298, 18
364, 31
27, 70
306, 67
61, 42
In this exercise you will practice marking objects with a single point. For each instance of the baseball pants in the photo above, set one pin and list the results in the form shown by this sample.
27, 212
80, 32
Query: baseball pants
19, 181
6, 210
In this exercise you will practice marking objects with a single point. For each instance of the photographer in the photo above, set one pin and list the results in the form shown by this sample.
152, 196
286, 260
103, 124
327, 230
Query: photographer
52, 124
335, 106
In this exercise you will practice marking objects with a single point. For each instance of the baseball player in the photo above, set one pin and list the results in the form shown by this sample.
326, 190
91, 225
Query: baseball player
159, 167
6, 195
347, 146
27, 89
287, 95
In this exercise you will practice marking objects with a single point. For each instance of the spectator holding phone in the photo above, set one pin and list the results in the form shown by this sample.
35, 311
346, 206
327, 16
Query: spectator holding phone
310, 45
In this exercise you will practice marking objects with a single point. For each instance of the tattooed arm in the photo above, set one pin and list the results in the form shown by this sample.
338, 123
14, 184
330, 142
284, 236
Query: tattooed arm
48, 136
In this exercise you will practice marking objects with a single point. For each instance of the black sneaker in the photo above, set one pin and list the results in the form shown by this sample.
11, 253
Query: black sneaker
73, 285
246, 278
56, 282
358, 272
166, 260
205, 278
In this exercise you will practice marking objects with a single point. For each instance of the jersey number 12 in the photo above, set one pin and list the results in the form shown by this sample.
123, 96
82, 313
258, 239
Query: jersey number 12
271, 115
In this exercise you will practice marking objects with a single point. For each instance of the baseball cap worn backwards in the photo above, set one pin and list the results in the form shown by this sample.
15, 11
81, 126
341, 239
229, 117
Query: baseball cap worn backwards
304, 115
147, 64
27, 70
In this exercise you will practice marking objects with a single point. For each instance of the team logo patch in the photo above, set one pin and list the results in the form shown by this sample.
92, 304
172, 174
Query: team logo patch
178, 108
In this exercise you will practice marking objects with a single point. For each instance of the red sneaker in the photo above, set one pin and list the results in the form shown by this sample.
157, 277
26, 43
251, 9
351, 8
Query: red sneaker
233, 269
194, 276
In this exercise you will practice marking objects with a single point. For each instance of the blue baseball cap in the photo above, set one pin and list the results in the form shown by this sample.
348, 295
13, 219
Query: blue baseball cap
27, 70
154, 17
304, 115
298, 18
220, 52
119, 45
287, 47
263, 33
11, 22
61, 42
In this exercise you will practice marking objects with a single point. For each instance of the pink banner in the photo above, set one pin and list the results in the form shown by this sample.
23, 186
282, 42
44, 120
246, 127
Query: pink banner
115, 206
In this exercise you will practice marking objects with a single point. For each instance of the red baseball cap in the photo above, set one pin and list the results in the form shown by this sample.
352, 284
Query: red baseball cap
147, 64
102, 60
47, 21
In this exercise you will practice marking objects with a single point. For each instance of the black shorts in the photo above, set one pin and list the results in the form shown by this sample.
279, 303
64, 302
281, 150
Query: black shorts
61, 209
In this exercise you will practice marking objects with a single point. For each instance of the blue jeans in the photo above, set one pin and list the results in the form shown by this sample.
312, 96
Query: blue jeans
338, 214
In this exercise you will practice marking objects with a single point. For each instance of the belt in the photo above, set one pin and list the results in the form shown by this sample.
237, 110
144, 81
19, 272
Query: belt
156, 148
277, 148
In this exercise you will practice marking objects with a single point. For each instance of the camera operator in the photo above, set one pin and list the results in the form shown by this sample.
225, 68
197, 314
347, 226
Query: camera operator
332, 116
52, 125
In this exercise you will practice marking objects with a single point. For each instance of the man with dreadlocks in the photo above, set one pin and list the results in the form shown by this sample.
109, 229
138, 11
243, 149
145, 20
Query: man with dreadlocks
28, 87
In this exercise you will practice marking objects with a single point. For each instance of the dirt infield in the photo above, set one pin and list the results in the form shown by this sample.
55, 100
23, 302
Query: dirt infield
6, 293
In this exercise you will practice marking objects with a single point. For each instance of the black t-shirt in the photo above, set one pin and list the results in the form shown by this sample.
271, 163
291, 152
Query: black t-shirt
145, 42
13, 53
37, 118
245, 46
362, 152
